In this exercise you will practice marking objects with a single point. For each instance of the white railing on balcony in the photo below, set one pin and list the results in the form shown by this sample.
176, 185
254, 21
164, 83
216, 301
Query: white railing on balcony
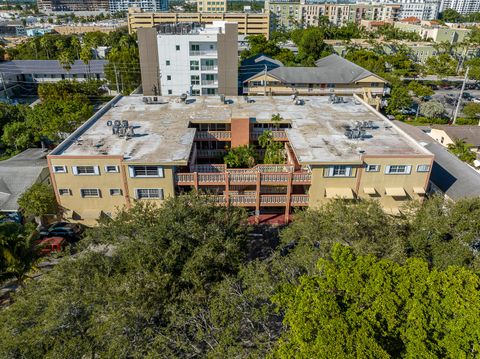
202, 52
219, 135
303, 177
273, 199
242, 199
274, 168
243, 177
274, 177
184, 177
211, 178
219, 199
276, 134
209, 168
209, 82
299, 199
209, 68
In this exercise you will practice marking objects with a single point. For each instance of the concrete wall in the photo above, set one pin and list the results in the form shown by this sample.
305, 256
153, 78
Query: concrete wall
148, 50
228, 60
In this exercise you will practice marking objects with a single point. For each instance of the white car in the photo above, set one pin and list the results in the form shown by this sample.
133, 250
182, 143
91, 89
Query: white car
476, 99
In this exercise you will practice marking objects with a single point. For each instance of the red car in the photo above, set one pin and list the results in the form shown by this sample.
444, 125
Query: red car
50, 245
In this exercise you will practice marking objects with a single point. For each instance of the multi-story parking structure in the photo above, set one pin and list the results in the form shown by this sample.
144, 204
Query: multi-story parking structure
140, 151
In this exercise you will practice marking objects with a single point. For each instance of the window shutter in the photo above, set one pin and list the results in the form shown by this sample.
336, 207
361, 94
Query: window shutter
387, 169
131, 171
160, 171
348, 171
96, 170
408, 169
74, 170
330, 171
160, 193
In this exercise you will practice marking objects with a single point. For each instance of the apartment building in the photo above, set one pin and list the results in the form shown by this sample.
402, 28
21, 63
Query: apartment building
145, 5
189, 59
332, 75
248, 23
135, 151
421, 9
462, 6
436, 33
212, 6
49, 6
298, 13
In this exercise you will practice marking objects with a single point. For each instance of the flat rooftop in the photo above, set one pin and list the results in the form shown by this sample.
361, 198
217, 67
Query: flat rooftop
162, 134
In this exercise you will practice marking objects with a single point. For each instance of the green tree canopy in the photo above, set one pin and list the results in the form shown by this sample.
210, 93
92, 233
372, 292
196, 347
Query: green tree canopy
241, 157
432, 109
358, 306
38, 200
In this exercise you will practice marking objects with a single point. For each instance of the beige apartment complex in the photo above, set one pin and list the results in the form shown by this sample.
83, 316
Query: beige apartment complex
212, 6
136, 151
248, 23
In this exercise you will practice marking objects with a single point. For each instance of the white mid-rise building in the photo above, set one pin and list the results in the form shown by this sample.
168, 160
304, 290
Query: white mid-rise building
189, 59
421, 9
461, 6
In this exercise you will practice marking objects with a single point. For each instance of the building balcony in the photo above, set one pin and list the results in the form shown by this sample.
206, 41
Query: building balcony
273, 175
213, 135
209, 82
266, 200
211, 153
203, 53
210, 68
279, 135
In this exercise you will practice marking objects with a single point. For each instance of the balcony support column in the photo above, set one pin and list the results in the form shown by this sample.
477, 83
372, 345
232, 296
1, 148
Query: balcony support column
227, 189
257, 198
195, 180
289, 197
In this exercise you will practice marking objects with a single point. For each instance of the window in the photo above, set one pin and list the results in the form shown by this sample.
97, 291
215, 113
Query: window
398, 169
195, 80
339, 171
115, 192
167, 62
195, 47
372, 168
59, 169
169, 77
169, 92
177, 47
195, 93
85, 170
149, 193
209, 77
111, 169
90, 192
194, 65
64, 192
423, 168
145, 171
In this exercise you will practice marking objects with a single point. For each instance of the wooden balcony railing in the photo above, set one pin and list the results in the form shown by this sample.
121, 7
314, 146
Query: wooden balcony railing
301, 178
211, 178
242, 200
266, 200
211, 153
273, 200
280, 178
299, 200
209, 168
213, 135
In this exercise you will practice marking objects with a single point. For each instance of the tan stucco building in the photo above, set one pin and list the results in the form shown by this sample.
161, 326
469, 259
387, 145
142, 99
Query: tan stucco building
248, 23
135, 151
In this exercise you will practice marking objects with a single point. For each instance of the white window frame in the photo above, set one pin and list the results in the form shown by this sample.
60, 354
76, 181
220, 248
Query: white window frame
423, 168
115, 191
160, 173
67, 193
63, 169
96, 171
114, 171
407, 170
160, 193
90, 189
332, 169
372, 168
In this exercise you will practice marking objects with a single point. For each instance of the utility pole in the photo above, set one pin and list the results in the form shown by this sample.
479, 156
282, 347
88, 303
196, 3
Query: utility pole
116, 78
265, 81
4, 86
461, 95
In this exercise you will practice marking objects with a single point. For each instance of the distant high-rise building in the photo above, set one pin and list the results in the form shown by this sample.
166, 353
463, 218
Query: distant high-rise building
100, 5
462, 6
145, 5
72, 5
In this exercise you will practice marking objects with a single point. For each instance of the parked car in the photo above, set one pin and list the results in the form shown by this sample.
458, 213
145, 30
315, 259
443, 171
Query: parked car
69, 231
467, 96
476, 99
50, 245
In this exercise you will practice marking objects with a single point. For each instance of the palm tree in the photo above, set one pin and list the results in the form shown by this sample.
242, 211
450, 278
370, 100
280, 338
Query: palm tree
462, 150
